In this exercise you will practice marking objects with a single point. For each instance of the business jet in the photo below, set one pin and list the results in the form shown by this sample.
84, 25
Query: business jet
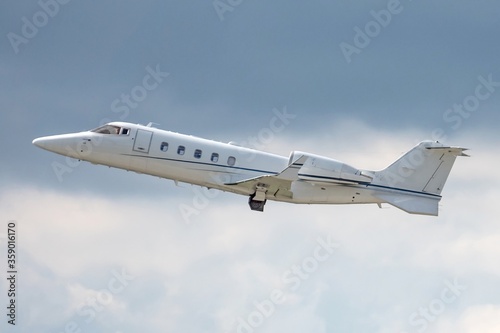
413, 183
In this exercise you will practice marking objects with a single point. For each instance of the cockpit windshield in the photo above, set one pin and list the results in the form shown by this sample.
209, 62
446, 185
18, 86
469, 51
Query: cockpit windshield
111, 129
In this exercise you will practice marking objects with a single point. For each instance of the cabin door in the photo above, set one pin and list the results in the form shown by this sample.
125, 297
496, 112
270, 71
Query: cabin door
142, 141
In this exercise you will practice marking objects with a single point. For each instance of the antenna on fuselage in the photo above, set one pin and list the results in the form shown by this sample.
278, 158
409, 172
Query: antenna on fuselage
150, 124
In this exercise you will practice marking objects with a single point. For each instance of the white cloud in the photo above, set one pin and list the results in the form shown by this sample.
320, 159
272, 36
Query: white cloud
478, 318
205, 275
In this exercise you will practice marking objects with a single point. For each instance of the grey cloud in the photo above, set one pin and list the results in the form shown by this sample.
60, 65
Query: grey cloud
225, 79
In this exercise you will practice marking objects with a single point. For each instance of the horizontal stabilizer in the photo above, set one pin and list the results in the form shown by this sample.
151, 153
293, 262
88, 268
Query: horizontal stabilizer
411, 203
457, 151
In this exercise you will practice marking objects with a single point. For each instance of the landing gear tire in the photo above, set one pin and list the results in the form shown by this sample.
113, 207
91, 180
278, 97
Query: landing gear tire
256, 205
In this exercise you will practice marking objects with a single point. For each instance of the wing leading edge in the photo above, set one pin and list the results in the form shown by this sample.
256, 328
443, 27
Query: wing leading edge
279, 185
276, 184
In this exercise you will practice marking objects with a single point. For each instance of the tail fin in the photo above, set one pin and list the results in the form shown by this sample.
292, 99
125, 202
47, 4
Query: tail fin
421, 173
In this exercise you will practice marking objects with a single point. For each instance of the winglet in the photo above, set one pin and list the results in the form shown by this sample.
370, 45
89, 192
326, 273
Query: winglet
291, 172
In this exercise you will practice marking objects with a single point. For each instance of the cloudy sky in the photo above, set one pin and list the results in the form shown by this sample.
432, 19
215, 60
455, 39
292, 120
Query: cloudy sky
103, 250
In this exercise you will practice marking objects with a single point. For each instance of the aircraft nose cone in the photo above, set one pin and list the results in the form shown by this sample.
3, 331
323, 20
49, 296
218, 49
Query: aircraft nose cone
54, 143
63, 144
39, 142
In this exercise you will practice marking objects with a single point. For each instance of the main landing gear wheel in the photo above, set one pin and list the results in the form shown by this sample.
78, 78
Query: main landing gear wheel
255, 204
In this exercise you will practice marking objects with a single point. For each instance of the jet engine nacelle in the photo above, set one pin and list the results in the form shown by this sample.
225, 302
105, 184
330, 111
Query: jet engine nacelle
323, 169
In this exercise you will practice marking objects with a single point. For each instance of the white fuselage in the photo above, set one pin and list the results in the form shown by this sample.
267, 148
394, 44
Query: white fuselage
196, 161
413, 182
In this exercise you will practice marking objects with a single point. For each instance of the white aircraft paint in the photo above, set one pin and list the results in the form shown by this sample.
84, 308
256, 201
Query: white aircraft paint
412, 183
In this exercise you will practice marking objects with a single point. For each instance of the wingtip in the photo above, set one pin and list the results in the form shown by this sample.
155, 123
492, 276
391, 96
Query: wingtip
462, 151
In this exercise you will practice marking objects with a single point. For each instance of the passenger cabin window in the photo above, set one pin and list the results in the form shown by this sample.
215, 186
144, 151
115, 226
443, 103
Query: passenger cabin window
111, 129
164, 146
181, 150
215, 157
197, 153
231, 160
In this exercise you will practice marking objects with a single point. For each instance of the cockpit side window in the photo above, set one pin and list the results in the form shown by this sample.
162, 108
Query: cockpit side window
124, 131
107, 129
111, 129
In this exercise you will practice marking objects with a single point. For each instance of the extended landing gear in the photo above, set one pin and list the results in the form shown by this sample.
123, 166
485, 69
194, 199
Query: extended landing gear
256, 204
258, 199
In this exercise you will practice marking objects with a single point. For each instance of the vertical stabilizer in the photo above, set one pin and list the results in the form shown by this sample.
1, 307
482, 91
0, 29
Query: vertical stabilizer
415, 181
425, 168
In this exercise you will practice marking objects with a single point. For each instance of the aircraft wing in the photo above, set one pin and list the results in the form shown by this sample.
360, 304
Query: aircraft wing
305, 169
276, 184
